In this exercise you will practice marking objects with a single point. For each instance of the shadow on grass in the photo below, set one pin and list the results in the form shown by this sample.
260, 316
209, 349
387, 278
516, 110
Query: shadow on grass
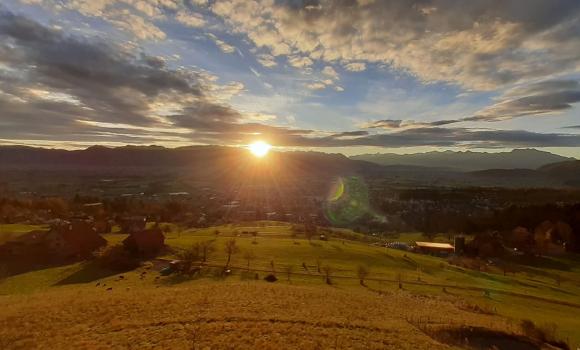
541, 262
213, 273
89, 272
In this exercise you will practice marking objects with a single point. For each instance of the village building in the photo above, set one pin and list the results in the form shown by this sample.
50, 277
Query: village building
439, 249
132, 224
66, 240
145, 242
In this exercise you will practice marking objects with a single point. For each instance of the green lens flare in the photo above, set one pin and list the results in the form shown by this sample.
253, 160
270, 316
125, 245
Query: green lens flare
348, 201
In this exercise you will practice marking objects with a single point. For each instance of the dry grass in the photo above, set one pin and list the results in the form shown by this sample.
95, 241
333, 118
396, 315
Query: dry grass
225, 315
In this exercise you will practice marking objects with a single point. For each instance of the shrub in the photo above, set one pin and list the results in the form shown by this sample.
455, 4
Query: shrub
327, 270
362, 273
545, 334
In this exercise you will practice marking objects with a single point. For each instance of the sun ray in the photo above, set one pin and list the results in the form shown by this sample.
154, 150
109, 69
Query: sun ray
259, 148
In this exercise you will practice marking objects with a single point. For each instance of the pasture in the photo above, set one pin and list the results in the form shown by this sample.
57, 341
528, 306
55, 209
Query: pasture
401, 286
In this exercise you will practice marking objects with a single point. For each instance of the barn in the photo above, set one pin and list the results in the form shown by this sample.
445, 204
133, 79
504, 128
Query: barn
145, 242
440, 249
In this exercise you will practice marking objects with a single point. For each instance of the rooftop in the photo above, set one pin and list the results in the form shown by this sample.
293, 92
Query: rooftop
434, 245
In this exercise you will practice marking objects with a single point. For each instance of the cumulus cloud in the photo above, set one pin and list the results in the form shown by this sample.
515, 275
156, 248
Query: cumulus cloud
330, 72
136, 17
267, 60
190, 19
317, 85
474, 45
355, 67
55, 86
300, 62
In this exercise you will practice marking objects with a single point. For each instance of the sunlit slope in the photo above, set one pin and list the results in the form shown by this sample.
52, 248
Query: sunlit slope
224, 315
545, 294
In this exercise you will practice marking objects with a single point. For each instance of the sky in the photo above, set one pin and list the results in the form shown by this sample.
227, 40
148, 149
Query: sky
350, 76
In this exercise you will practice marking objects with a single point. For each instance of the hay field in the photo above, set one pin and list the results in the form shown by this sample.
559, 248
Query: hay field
70, 307
226, 315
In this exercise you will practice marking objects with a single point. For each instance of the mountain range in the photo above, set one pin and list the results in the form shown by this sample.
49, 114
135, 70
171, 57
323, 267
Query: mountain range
468, 160
218, 164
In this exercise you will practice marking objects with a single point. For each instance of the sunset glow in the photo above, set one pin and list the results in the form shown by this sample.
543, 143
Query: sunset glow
259, 148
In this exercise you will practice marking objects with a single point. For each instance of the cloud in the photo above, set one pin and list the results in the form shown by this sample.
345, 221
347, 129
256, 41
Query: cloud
300, 62
267, 60
190, 19
447, 137
222, 45
59, 87
55, 81
536, 99
541, 98
355, 67
330, 72
316, 85
136, 17
137, 25
475, 45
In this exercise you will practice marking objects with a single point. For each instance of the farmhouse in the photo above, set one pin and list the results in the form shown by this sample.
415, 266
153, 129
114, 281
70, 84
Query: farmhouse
145, 242
434, 248
132, 224
65, 240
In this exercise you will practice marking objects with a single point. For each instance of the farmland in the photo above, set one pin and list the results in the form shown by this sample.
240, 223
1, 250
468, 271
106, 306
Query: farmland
147, 310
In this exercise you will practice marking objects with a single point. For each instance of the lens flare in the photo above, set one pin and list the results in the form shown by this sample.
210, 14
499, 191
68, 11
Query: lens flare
348, 201
259, 148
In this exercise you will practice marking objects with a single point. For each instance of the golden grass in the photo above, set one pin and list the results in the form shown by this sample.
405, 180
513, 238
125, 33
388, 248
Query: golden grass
226, 315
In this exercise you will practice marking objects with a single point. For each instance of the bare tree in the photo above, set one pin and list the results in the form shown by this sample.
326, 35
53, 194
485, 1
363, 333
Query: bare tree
288, 269
327, 270
362, 273
206, 248
249, 256
231, 248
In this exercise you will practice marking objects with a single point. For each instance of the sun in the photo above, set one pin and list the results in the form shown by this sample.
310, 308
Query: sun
259, 148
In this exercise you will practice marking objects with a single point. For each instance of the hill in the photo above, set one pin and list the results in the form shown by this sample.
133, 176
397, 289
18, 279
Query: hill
142, 309
567, 172
468, 161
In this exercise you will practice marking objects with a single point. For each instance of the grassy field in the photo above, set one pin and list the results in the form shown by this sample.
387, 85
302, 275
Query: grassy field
185, 311
11, 231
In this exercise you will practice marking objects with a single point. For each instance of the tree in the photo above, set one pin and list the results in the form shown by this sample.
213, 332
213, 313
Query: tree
362, 273
327, 270
254, 234
206, 249
429, 235
189, 256
231, 248
288, 269
249, 256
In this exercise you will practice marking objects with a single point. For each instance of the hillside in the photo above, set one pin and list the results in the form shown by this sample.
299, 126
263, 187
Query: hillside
220, 315
568, 172
468, 160
142, 309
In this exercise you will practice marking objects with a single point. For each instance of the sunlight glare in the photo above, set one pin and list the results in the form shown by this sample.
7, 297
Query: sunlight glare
259, 148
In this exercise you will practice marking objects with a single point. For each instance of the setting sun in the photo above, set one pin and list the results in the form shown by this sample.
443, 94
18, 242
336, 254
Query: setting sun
259, 148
